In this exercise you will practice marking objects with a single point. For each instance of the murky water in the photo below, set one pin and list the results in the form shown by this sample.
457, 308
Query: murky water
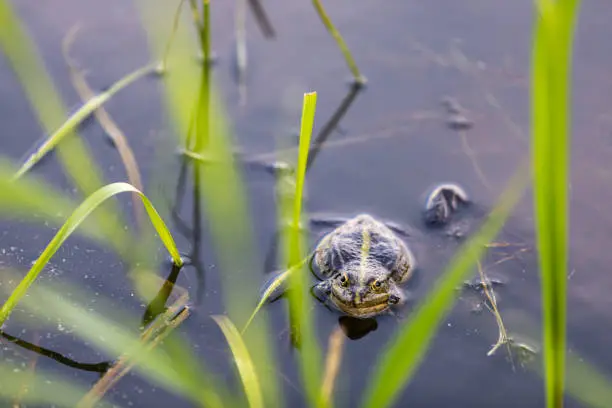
392, 145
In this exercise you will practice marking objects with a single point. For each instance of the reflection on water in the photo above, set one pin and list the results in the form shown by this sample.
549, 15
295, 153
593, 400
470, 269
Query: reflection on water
355, 328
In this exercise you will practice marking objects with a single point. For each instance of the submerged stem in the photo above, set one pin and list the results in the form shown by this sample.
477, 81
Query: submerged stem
359, 79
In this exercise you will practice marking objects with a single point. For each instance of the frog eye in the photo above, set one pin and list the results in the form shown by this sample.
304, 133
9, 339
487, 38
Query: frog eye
376, 284
344, 279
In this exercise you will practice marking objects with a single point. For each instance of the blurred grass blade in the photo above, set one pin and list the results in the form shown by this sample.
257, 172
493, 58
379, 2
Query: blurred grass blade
224, 201
76, 118
161, 327
272, 287
332, 364
243, 361
241, 55
31, 198
398, 364
22, 55
551, 77
300, 315
263, 21
45, 388
75, 219
157, 364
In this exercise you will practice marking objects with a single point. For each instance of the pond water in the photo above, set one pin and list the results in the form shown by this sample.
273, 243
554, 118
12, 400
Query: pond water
392, 144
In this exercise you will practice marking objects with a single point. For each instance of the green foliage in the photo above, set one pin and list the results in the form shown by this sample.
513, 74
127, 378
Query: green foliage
165, 366
72, 223
550, 122
301, 319
43, 388
219, 193
405, 353
243, 360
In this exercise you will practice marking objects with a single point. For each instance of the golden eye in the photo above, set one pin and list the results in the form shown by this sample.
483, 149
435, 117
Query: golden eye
344, 279
376, 284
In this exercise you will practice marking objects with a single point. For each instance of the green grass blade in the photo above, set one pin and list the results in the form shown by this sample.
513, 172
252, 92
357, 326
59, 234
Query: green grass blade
75, 119
551, 121
250, 381
398, 364
308, 115
71, 224
310, 360
274, 285
585, 382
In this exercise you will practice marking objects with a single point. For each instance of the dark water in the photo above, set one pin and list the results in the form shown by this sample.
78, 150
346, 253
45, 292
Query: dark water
413, 54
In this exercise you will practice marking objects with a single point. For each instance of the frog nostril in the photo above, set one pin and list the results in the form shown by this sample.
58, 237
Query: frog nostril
393, 299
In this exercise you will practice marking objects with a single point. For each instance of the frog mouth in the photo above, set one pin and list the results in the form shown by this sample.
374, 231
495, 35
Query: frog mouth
364, 309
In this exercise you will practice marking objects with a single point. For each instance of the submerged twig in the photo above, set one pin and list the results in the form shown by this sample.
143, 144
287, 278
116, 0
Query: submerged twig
150, 338
469, 152
54, 355
503, 336
262, 18
108, 124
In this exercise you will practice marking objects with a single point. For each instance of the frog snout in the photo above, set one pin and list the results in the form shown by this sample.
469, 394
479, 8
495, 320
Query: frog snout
394, 299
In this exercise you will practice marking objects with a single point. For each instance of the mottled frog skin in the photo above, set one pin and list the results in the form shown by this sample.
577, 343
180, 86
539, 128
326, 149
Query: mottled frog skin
361, 264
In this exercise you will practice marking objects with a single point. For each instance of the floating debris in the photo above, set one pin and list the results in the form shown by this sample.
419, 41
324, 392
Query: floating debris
443, 201
457, 119
478, 285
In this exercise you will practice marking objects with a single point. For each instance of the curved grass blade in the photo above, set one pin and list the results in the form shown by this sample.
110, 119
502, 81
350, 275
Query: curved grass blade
71, 224
250, 382
397, 365
272, 287
551, 61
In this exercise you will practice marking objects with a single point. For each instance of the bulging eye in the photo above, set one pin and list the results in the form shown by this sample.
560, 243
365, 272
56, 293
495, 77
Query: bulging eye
344, 279
377, 284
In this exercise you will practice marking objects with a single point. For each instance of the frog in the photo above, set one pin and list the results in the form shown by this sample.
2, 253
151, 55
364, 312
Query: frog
362, 265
